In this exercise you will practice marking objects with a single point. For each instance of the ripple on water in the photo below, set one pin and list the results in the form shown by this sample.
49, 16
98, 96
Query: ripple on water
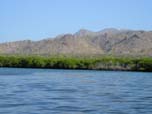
74, 92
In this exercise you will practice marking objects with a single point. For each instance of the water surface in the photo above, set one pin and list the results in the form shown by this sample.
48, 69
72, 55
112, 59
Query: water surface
45, 91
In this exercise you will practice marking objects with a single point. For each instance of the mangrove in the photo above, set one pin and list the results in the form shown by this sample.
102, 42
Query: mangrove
92, 63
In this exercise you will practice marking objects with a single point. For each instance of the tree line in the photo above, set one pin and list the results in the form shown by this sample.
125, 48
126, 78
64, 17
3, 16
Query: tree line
61, 62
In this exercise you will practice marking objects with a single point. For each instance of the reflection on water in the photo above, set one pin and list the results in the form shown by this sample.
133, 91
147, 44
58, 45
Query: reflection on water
39, 91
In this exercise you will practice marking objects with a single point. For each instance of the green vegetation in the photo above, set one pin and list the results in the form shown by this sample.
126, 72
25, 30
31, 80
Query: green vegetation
63, 62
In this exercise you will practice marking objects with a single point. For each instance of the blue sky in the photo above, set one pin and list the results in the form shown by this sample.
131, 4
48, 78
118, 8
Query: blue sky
38, 19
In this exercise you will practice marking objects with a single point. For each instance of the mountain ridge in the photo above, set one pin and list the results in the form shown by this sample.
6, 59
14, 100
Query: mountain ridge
107, 41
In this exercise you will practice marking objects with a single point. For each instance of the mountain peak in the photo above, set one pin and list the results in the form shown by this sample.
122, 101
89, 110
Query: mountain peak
107, 41
109, 30
83, 32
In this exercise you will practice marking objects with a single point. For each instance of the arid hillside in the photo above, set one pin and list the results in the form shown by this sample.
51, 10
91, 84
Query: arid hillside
107, 41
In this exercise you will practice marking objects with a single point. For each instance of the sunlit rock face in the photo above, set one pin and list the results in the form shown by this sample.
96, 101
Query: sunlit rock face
107, 41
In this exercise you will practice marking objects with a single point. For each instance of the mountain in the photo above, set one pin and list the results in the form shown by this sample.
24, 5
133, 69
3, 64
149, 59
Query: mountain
85, 42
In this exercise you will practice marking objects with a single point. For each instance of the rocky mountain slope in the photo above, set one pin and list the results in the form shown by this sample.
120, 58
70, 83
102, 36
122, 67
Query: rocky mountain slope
107, 41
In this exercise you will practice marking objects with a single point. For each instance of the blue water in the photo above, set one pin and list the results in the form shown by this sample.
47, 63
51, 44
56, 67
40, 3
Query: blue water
44, 91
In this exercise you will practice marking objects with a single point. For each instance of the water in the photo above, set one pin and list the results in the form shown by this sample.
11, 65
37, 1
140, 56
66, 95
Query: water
41, 91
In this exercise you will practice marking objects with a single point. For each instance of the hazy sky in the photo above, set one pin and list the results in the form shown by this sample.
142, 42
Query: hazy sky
38, 19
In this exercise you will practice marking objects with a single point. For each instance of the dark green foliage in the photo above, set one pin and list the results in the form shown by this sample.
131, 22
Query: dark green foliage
63, 62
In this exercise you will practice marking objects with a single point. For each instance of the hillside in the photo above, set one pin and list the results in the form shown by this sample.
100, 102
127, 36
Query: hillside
84, 42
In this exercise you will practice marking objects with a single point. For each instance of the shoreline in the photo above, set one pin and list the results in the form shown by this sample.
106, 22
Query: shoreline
75, 69
109, 63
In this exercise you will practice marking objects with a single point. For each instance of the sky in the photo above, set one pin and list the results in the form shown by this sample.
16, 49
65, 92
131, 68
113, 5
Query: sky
39, 19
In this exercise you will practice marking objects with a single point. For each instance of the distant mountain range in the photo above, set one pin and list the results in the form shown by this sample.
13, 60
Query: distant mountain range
85, 42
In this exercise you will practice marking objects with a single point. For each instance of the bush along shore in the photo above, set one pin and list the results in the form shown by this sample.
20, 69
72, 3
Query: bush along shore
96, 63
